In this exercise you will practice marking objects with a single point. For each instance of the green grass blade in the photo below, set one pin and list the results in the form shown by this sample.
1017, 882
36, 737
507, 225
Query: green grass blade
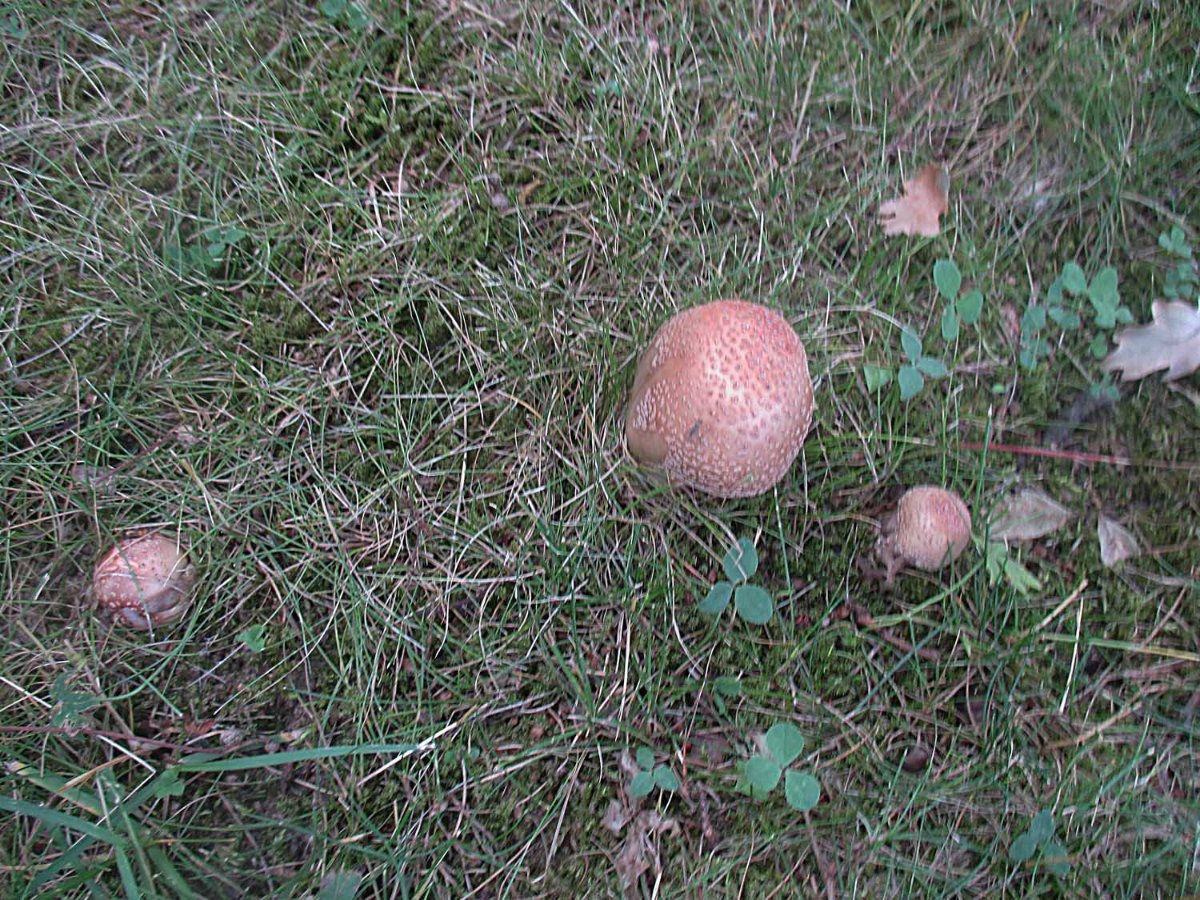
57, 819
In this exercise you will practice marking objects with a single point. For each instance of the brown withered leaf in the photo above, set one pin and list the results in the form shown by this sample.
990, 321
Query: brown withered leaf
98, 477
643, 828
918, 211
1028, 515
1171, 342
1117, 542
640, 850
616, 817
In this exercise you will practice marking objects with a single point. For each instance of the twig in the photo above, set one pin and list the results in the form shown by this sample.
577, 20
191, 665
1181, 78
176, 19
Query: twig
1079, 456
826, 871
1096, 730
863, 619
1053, 614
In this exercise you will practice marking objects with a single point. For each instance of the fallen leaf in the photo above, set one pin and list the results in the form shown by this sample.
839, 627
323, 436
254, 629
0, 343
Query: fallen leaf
631, 861
1028, 515
1117, 542
1010, 321
707, 751
185, 435
627, 804
1085, 405
1171, 342
616, 816
971, 712
1034, 187
924, 201
98, 477
640, 849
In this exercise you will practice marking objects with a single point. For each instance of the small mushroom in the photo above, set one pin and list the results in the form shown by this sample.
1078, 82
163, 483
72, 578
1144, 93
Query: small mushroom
722, 399
930, 527
145, 580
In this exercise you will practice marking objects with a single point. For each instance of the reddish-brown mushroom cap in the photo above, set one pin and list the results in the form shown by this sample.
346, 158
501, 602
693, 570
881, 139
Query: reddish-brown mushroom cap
932, 527
722, 399
145, 580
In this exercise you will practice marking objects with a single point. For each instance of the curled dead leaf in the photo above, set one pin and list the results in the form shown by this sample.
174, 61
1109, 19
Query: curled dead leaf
642, 827
616, 816
185, 435
1171, 342
1028, 515
639, 851
627, 766
98, 477
1117, 542
919, 210
1010, 321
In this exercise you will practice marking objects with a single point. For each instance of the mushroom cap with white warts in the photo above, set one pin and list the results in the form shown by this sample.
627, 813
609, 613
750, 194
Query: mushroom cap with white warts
145, 580
722, 399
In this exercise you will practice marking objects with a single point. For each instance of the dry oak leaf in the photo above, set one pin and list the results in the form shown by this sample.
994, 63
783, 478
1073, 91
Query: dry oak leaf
1027, 515
924, 201
1171, 342
1117, 542
640, 850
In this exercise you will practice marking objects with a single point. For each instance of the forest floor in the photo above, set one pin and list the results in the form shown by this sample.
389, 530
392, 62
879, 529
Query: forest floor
349, 297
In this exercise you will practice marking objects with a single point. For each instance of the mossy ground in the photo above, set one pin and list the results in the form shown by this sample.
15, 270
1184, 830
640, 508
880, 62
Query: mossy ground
353, 304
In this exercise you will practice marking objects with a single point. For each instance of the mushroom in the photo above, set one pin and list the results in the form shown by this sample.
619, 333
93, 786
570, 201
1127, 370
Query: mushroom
145, 580
722, 399
930, 528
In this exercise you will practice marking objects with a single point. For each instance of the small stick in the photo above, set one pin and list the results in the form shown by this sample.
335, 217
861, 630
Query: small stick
1055, 613
1079, 456
862, 617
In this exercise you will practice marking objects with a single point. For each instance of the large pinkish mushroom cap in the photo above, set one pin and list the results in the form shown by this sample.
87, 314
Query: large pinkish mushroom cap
145, 580
722, 399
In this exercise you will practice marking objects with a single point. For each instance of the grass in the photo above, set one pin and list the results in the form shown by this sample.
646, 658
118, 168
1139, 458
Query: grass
385, 411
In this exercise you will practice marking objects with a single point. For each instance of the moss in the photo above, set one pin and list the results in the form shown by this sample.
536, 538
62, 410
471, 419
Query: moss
343, 91
834, 662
